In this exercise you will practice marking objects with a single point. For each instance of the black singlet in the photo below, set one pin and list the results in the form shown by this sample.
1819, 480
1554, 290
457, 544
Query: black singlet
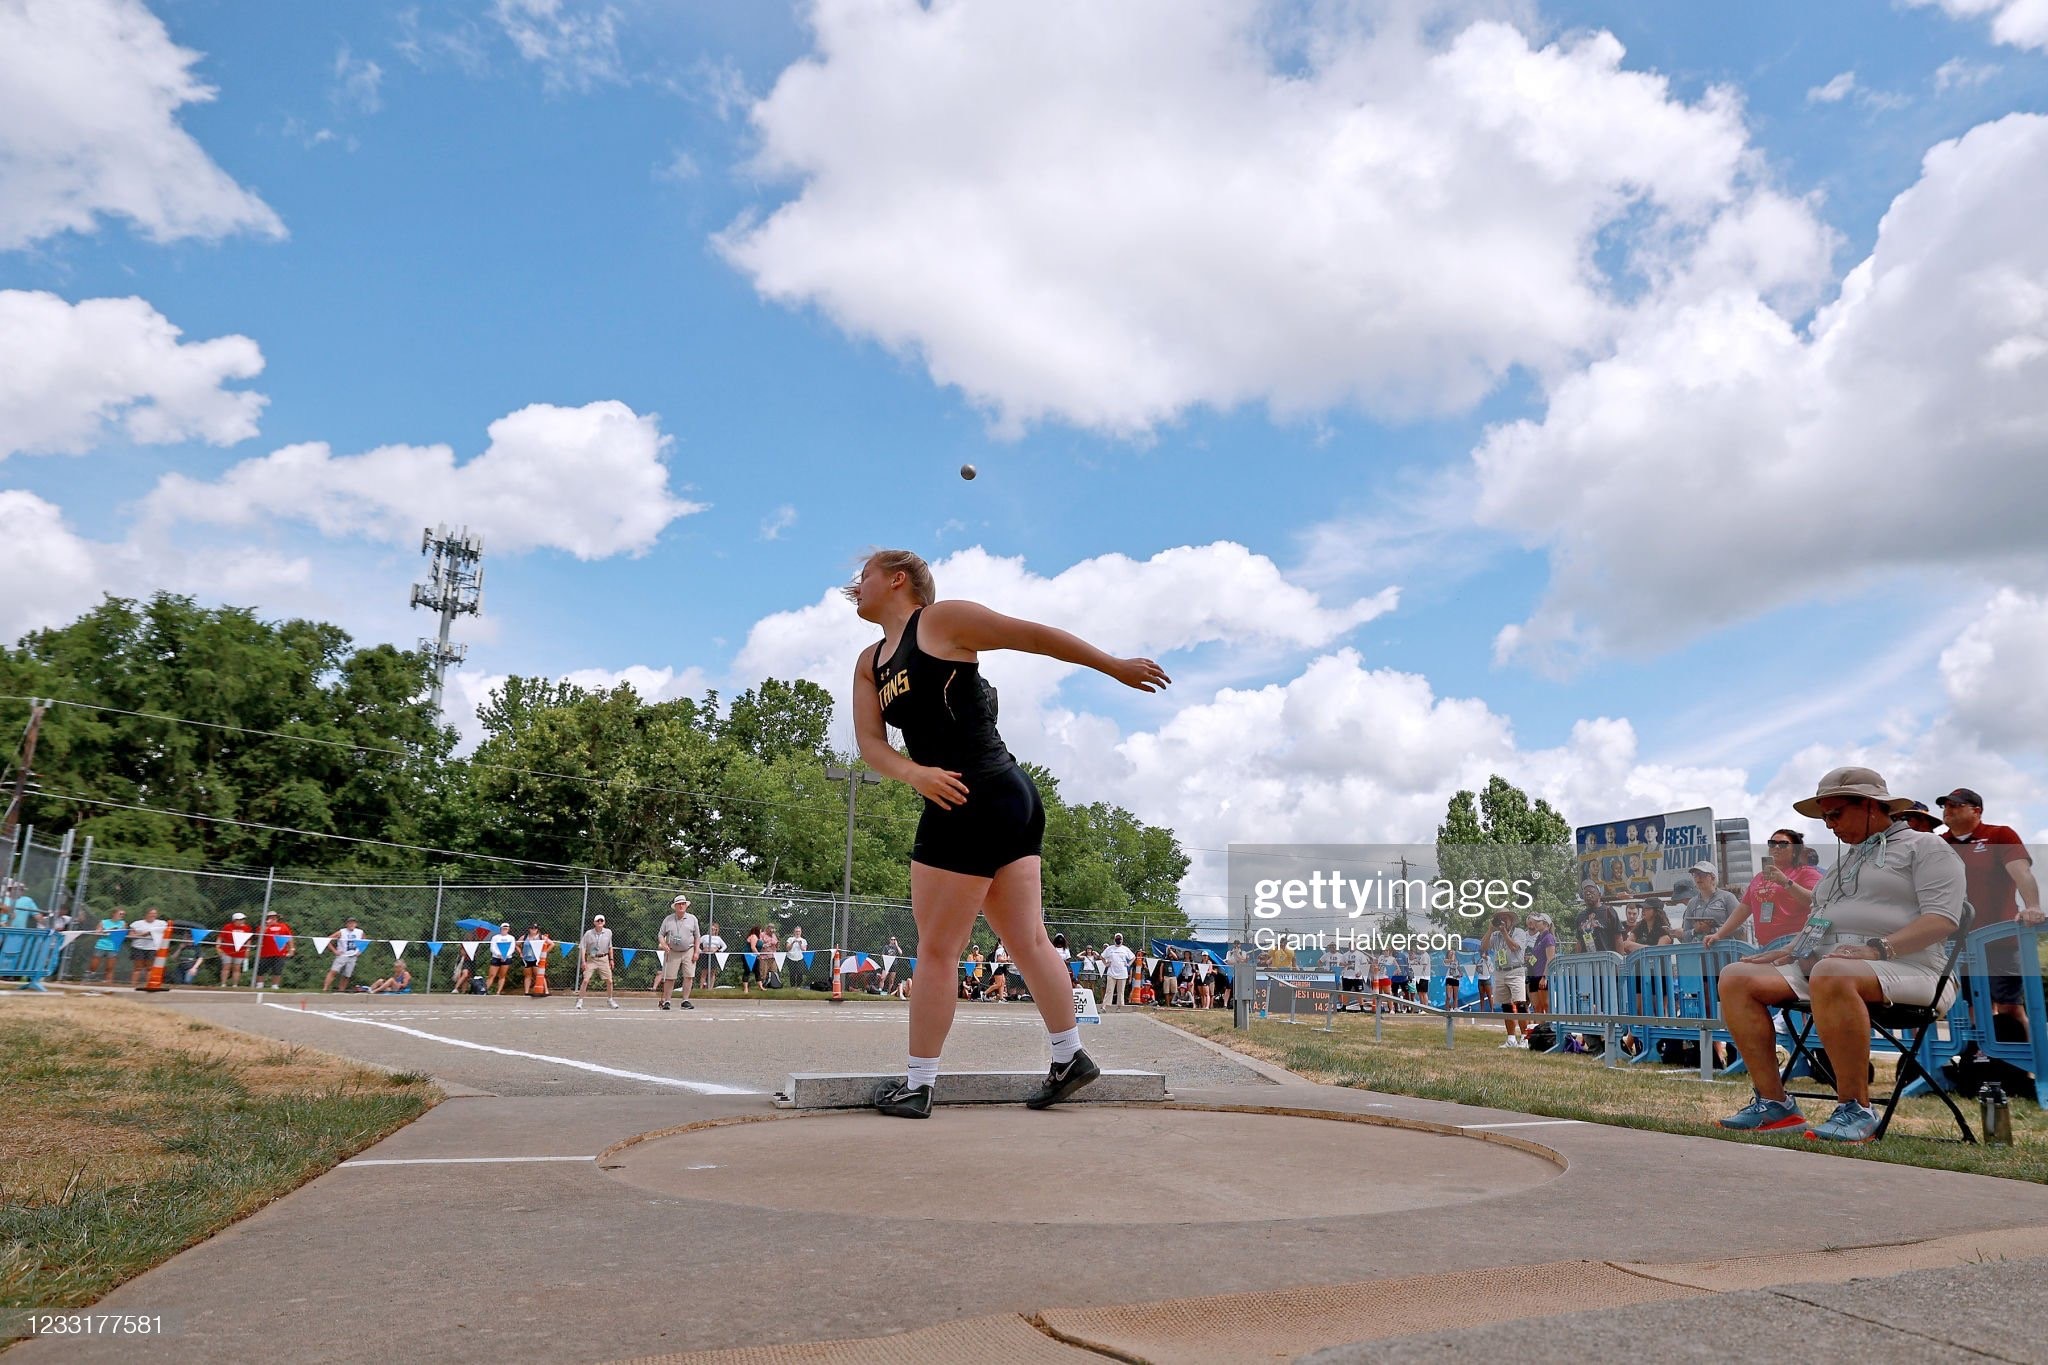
946, 712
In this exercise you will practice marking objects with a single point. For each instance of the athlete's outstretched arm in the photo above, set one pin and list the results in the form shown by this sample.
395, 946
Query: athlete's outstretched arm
938, 784
969, 625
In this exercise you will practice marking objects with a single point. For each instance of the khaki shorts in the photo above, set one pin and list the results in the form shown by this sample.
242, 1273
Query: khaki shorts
597, 966
1903, 983
1510, 989
675, 964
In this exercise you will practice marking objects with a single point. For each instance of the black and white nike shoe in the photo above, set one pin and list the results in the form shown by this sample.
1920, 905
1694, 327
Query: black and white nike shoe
901, 1099
1062, 1081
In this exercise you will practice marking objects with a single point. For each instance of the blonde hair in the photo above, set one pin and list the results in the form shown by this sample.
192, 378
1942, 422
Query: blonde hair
922, 587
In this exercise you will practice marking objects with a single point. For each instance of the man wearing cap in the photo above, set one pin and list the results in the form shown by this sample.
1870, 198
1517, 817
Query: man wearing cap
677, 938
1890, 903
594, 955
1998, 865
1711, 906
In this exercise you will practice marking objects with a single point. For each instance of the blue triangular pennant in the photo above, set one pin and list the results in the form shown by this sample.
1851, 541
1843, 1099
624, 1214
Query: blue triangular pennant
433, 946
626, 955
750, 959
199, 934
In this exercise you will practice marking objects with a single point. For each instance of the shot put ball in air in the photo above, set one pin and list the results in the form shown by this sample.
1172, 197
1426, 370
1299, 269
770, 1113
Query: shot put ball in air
966, 471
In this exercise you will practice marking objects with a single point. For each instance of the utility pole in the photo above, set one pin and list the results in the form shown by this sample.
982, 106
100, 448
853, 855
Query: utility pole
852, 777
22, 772
454, 587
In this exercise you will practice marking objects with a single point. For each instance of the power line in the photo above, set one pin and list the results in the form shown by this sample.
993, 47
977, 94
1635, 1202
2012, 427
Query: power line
649, 882
401, 752
874, 817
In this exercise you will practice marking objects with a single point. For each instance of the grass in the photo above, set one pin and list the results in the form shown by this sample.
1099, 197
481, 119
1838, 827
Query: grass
130, 1134
1412, 1060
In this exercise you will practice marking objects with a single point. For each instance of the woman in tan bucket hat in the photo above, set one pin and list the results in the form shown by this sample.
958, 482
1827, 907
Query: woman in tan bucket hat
1894, 896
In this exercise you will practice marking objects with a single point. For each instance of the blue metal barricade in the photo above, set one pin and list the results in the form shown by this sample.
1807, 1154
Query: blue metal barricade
30, 954
1585, 989
1679, 981
2030, 1054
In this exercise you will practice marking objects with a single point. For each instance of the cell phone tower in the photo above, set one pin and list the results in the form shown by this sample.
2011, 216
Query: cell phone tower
454, 587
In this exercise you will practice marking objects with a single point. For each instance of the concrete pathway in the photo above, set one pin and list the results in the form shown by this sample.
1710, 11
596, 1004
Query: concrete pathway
643, 1197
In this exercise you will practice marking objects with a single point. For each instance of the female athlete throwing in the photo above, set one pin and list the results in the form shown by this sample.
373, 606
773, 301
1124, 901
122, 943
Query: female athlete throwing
977, 849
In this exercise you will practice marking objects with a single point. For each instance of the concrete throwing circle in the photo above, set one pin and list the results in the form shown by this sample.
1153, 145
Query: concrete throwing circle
1003, 1164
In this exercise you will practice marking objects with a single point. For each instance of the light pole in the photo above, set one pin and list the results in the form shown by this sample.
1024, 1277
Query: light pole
852, 777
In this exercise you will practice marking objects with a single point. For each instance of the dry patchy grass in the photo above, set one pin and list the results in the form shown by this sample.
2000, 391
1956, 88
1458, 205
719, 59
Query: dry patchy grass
131, 1132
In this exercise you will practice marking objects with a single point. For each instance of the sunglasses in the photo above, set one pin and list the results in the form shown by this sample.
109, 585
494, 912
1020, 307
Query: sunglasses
1779, 843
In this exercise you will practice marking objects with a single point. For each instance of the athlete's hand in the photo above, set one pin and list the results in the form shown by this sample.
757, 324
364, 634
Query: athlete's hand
939, 786
1142, 674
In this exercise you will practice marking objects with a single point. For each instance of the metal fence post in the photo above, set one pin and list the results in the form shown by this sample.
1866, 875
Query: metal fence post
582, 925
438, 882
254, 961
84, 874
63, 865
17, 855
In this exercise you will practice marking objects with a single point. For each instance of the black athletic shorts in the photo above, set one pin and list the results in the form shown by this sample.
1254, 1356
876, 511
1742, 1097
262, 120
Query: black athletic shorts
1001, 821
2004, 961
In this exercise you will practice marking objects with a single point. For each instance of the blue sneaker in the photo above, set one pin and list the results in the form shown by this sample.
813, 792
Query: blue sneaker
1851, 1122
1764, 1116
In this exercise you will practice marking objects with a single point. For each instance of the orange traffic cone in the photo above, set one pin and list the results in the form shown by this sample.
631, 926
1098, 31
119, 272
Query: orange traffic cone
838, 994
155, 980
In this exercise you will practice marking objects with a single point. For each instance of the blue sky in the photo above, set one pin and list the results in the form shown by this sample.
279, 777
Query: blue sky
490, 204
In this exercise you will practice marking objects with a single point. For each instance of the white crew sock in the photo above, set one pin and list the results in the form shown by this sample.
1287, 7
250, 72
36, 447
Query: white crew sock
923, 1071
1065, 1045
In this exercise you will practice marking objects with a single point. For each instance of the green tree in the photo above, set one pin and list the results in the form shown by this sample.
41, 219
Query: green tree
1500, 836
283, 724
777, 719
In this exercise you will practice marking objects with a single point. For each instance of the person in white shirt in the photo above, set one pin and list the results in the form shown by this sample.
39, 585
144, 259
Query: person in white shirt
677, 940
1116, 964
348, 947
145, 937
708, 949
793, 965
1506, 949
504, 950
999, 974
594, 956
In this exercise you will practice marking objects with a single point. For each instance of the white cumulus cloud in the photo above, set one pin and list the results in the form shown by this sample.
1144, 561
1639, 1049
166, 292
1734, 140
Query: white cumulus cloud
89, 97
591, 481
70, 371
1180, 599
1108, 214
1905, 426
2016, 23
1992, 673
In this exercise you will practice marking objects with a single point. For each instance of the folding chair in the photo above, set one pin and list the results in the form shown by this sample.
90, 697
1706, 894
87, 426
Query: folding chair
1888, 1022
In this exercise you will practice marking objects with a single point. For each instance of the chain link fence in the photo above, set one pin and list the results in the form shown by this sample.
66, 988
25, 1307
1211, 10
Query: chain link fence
429, 922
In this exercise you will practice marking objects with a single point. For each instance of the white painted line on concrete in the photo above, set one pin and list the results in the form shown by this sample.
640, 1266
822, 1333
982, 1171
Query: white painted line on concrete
1526, 1123
698, 1087
456, 1160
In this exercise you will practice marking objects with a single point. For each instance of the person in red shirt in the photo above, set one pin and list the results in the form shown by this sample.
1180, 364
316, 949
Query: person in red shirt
2001, 887
276, 946
1780, 896
233, 952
